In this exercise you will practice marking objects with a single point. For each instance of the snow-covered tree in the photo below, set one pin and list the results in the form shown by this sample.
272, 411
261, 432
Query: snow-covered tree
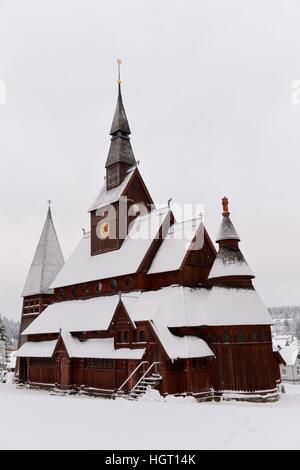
4, 353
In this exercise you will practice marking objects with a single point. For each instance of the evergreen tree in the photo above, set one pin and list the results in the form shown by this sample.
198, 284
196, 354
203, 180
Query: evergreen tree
4, 354
298, 329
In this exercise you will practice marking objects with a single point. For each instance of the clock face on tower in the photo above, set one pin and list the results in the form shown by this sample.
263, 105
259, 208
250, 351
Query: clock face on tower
104, 230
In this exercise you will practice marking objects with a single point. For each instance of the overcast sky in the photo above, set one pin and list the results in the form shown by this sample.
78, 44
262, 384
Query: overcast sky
207, 90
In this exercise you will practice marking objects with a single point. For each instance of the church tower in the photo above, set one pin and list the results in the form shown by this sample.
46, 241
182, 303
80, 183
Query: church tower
47, 262
120, 157
230, 267
124, 194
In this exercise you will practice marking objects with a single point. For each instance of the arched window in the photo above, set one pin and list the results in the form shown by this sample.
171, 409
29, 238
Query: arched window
126, 337
142, 336
226, 337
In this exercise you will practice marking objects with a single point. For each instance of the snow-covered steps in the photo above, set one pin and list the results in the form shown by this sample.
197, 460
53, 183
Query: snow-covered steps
141, 388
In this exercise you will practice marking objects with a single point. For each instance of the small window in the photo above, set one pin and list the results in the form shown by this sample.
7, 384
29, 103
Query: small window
126, 337
213, 338
99, 287
119, 337
283, 372
254, 337
129, 282
73, 291
142, 336
85, 289
240, 337
114, 284
226, 337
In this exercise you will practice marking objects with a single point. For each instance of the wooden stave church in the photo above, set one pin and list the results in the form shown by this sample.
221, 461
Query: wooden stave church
124, 314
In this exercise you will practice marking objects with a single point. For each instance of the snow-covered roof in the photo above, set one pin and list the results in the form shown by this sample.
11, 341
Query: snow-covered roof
284, 340
109, 196
47, 261
290, 354
99, 349
177, 242
229, 263
91, 348
171, 306
82, 267
76, 315
227, 230
183, 306
37, 349
181, 347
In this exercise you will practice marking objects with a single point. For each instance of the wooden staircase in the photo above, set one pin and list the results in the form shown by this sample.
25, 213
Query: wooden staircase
150, 378
140, 389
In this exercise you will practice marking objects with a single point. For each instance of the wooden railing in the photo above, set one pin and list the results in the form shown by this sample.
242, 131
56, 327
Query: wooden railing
154, 364
120, 389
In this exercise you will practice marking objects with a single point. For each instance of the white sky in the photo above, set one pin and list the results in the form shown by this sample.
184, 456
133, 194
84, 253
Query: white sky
207, 90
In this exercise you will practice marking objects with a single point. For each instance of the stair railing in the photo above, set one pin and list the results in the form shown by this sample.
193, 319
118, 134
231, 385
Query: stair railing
145, 374
131, 375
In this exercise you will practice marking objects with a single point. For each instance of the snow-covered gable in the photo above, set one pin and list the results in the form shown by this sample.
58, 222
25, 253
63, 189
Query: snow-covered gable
82, 267
47, 261
177, 242
290, 354
37, 349
180, 347
109, 196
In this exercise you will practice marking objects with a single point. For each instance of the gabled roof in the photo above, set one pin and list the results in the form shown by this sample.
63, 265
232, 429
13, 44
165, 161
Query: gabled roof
176, 244
290, 354
47, 262
82, 267
109, 196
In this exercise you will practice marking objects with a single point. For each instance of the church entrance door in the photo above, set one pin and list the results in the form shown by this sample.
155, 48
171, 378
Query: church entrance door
64, 372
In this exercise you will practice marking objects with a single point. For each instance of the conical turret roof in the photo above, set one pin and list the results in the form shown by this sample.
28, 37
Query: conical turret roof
47, 262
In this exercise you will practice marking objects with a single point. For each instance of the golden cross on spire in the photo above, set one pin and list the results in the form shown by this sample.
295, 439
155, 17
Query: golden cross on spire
119, 62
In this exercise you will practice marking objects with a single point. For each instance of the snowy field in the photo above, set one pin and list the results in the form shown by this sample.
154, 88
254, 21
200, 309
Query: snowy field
37, 420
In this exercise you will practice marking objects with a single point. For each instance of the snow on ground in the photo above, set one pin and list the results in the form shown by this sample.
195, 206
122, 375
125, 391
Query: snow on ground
38, 420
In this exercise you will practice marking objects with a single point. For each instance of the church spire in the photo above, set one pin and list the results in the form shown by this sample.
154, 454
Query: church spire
230, 266
47, 262
120, 156
120, 122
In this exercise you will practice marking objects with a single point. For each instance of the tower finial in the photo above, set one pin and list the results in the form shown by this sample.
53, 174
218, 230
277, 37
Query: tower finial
49, 202
225, 204
119, 62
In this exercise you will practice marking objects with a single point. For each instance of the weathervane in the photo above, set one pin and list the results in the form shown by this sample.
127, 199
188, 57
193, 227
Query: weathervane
119, 62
